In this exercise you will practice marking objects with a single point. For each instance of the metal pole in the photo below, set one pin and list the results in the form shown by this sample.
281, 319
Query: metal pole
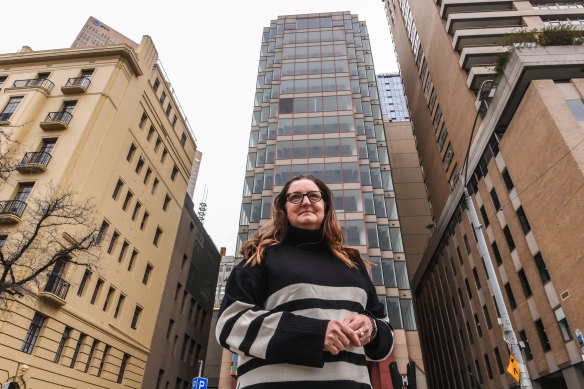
200, 367
509, 334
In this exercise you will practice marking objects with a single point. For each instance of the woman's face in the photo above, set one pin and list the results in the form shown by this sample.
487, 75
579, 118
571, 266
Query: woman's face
306, 214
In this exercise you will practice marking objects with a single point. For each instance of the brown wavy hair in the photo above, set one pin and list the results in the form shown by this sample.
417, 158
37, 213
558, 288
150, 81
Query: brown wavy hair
274, 232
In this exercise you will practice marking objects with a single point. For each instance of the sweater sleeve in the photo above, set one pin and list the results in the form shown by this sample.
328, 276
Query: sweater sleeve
245, 327
380, 348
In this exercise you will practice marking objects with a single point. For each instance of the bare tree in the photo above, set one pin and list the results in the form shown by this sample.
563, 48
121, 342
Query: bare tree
57, 230
7, 151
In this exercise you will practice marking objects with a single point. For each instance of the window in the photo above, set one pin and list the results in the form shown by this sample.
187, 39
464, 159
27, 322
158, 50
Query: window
156, 85
448, 155
64, 337
523, 220
510, 296
542, 268
183, 139
509, 238
83, 282
169, 329
174, 119
488, 364
110, 292
90, 356
144, 220
496, 253
102, 362
119, 305
96, 290
147, 272
484, 215
495, 200
499, 361
24, 190
157, 236
10, 108
76, 352
563, 323
154, 185
3, 80
132, 259
487, 317
165, 203
142, 120
168, 109
140, 164
136, 210
125, 359
136, 317
523, 337
524, 283
177, 291
507, 180
127, 200
184, 261
151, 132
147, 175
173, 174
131, 152
545, 343
476, 277
68, 106
162, 97
113, 241
163, 156
468, 288
32, 333
159, 379
119, 186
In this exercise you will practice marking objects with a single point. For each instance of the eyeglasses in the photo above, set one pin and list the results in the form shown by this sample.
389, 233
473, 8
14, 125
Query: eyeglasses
296, 197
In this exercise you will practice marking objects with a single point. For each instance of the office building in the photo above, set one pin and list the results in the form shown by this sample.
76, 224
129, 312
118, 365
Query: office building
194, 173
96, 33
391, 95
317, 111
524, 175
102, 123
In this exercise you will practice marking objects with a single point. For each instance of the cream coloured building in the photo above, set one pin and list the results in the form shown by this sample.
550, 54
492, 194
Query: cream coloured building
117, 137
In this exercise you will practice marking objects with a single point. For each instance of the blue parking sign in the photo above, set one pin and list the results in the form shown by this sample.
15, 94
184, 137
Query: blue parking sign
199, 383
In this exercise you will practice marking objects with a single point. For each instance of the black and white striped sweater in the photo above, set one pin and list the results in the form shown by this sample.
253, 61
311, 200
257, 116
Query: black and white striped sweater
274, 315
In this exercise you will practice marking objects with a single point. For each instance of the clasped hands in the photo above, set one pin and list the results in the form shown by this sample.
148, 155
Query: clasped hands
355, 330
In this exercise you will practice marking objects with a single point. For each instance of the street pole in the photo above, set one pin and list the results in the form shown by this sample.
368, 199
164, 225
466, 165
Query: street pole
508, 332
200, 367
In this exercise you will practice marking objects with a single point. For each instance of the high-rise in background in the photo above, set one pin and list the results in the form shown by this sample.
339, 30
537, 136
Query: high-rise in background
317, 111
524, 174
101, 121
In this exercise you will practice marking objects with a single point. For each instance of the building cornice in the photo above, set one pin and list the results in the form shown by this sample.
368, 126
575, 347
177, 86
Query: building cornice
123, 50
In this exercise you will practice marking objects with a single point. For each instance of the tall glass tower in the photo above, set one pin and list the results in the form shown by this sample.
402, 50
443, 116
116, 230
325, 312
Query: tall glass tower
317, 111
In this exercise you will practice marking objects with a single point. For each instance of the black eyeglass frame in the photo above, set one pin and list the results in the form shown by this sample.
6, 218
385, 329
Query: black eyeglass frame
303, 195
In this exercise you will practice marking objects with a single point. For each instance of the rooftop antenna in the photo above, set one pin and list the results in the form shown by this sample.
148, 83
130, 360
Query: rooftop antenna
203, 206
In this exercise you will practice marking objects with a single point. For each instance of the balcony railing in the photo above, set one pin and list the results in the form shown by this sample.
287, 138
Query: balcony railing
56, 289
56, 121
43, 83
76, 85
11, 211
34, 162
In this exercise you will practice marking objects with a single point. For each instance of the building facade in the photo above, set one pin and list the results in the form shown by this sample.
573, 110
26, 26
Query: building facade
107, 125
524, 176
96, 33
317, 111
184, 320
394, 103
194, 173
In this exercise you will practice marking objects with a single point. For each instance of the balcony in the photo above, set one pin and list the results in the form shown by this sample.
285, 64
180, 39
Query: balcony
479, 37
56, 121
11, 211
464, 6
56, 290
76, 85
42, 84
480, 20
34, 162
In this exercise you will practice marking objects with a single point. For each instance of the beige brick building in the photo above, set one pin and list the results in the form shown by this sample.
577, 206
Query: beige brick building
525, 177
117, 137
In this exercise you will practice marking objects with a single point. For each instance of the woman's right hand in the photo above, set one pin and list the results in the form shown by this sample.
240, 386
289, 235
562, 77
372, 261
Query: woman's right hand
338, 336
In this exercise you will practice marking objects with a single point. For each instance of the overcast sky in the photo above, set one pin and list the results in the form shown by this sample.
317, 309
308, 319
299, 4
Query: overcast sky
210, 51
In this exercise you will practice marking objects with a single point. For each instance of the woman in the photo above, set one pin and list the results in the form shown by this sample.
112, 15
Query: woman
300, 309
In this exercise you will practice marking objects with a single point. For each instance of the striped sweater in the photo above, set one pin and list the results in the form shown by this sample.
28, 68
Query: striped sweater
275, 315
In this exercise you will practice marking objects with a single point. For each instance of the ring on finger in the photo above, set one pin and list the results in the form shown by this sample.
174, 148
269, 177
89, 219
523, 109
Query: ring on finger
361, 333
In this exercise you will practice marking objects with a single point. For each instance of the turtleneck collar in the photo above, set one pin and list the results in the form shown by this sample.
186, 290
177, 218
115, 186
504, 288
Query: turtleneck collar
305, 238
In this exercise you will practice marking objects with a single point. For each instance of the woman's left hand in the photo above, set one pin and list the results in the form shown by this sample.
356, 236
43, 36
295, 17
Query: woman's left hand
361, 324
